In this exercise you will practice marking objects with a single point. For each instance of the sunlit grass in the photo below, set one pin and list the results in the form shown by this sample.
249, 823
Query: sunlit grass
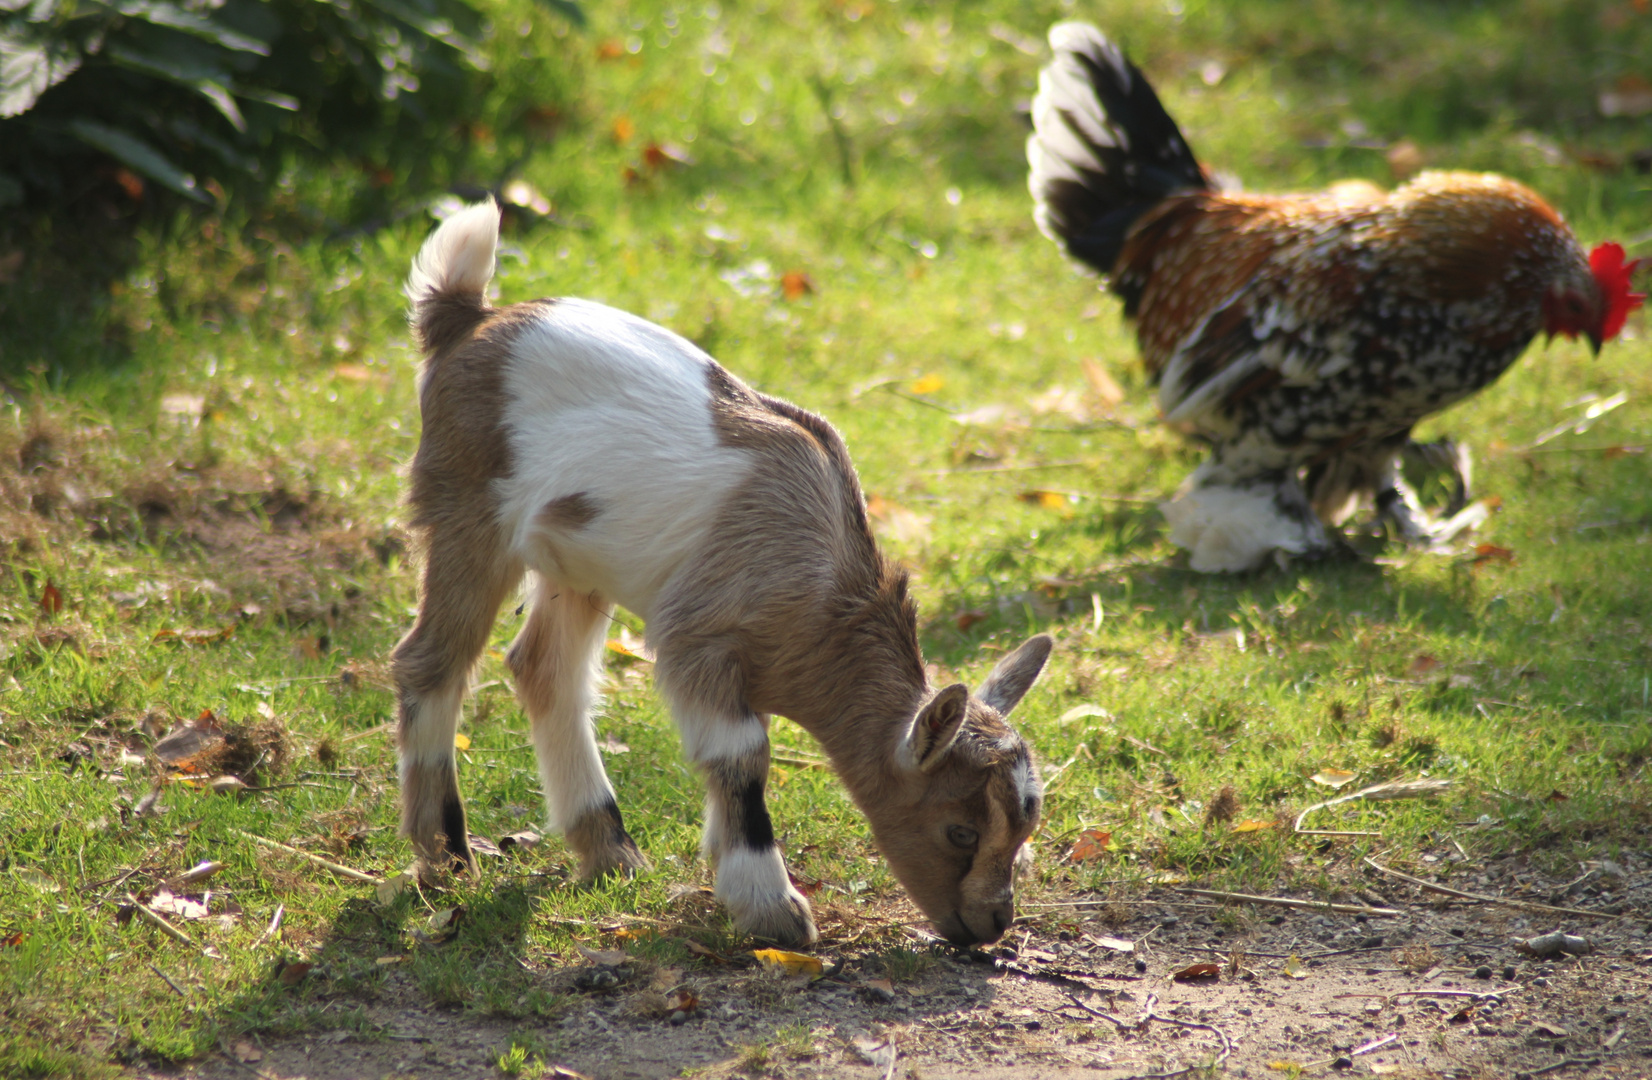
881, 158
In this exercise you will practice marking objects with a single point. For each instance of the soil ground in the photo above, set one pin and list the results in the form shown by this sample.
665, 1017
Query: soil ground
1405, 996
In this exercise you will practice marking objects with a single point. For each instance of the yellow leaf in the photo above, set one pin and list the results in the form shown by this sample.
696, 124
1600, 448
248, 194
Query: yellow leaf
1295, 968
1332, 778
461, 741
1252, 826
1284, 1066
927, 385
789, 962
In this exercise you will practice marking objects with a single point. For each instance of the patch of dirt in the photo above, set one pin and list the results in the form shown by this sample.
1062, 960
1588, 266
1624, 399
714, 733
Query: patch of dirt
1438, 990
262, 531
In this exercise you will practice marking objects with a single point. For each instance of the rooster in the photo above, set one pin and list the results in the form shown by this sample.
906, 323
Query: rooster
1301, 337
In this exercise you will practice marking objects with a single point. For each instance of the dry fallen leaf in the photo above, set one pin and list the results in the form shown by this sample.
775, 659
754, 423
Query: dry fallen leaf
1112, 943
796, 284
184, 907
386, 891
51, 599
1108, 391
1200, 973
1332, 778
1295, 968
966, 619
704, 950
791, 963
604, 957
1484, 553
1091, 844
1422, 665
1252, 825
1049, 500
246, 1053
292, 974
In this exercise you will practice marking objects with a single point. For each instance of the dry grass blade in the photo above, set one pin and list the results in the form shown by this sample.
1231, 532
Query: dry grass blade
1397, 789
342, 871
1526, 905
1282, 901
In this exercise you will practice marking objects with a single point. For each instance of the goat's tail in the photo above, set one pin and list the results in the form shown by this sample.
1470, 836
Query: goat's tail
1103, 150
448, 284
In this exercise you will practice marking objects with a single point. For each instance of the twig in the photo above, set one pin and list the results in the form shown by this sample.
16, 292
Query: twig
1306, 905
275, 924
159, 920
1375, 1044
968, 470
1524, 904
176, 989
800, 760
342, 871
1561, 1065
1109, 1017
363, 734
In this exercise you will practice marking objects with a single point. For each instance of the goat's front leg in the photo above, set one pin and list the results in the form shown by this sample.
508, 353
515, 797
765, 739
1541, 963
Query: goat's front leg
732, 754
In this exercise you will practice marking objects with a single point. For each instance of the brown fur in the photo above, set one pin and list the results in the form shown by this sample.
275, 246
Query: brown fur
467, 572
569, 512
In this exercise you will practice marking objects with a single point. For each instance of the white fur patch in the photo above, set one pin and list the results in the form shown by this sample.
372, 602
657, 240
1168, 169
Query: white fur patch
754, 881
718, 738
608, 406
458, 257
1233, 529
430, 740
1027, 784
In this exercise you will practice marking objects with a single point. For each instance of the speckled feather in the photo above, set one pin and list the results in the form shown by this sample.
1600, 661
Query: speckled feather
1343, 316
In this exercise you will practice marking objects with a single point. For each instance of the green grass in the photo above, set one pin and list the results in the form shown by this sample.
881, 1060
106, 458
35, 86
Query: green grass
874, 147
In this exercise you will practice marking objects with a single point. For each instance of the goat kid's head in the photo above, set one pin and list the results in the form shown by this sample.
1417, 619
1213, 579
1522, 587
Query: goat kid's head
967, 798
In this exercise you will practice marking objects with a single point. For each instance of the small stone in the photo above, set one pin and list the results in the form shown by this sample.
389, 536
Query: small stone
1540, 981
1508, 972
1033, 1025
1343, 1062
1141, 965
678, 1018
1482, 972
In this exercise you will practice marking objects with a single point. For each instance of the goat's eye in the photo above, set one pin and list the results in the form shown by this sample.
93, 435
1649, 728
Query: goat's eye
963, 836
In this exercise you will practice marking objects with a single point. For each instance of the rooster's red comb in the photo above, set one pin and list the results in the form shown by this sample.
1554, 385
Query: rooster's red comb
1612, 274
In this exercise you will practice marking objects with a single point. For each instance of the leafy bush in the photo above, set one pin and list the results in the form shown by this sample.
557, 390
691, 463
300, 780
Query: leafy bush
184, 93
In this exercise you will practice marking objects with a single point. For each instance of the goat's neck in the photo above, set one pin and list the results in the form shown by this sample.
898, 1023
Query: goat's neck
862, 731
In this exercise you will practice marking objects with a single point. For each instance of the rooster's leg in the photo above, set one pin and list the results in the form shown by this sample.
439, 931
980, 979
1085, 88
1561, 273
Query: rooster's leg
1397, 504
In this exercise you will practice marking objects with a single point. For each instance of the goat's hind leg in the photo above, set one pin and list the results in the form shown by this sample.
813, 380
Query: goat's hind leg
464, 584
556, 661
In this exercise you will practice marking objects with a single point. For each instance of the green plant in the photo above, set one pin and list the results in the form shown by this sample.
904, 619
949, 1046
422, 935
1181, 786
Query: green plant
184, 94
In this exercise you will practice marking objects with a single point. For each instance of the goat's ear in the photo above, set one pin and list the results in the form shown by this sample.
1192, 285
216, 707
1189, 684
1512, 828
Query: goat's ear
1015, 674
936, 727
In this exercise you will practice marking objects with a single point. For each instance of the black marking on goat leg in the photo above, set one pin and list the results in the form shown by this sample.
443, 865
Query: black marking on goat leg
756, 827
456, 831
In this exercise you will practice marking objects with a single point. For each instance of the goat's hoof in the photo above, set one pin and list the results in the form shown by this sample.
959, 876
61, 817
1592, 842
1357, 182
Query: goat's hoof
435, 869
619, 858
787, 921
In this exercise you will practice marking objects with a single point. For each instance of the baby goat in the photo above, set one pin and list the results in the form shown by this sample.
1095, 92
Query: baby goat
617, 463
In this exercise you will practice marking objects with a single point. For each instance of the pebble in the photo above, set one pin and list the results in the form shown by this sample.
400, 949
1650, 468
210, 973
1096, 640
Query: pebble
1141, 965
1482, 972
678, 1018
1509, 973
1343, 1062
1540, 981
